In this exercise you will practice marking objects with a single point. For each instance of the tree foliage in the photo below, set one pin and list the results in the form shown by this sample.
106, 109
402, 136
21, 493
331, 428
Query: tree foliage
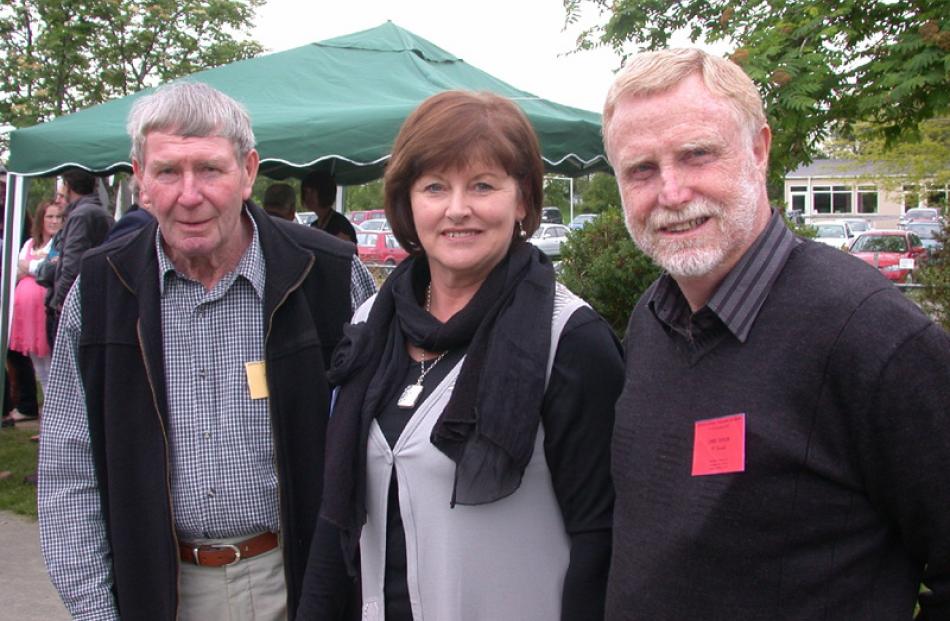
59, 56
935, 276
600, 193
364, 197
602, 265
819, 64
921, 159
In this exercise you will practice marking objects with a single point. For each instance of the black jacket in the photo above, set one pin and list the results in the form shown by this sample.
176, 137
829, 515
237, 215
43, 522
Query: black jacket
306, 302
86, 226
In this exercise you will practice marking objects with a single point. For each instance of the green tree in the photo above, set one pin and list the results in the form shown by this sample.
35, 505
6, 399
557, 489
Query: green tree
819, 64
600, 194
557, 193
602, 265
58, 56
922, 158
364, 197
935, 277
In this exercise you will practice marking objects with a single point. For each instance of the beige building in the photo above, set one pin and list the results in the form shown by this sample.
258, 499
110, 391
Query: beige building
830, 189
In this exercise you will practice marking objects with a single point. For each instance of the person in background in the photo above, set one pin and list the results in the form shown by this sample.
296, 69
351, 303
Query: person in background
279, 201
85, 226
781, 443
134, 218
28, 333
318, 194
181, 452
468, 453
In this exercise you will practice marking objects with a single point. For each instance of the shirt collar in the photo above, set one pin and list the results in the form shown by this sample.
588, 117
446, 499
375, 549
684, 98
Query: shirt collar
739, 298
251, 265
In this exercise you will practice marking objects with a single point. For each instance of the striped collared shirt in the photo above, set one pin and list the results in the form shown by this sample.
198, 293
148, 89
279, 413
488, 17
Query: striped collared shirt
72, 530
740, 296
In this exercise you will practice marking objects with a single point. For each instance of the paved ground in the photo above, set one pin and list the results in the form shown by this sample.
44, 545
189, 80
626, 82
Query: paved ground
25, 590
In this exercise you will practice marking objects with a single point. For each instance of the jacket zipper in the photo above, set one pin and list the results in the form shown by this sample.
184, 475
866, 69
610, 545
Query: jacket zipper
273, 436
161, 425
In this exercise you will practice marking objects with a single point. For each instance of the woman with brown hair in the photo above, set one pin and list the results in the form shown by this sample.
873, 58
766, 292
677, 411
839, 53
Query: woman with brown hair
28, 334
467, 471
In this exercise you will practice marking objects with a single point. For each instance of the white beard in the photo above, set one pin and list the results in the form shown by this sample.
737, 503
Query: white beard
691, 258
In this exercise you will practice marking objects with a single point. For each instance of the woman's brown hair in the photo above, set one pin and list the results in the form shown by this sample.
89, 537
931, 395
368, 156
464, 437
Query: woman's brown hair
451, 130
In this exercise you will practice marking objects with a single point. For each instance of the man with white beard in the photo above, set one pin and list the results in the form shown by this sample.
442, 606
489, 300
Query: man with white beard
781, 444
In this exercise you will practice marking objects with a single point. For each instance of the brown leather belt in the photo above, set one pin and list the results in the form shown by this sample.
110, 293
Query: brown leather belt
222, 554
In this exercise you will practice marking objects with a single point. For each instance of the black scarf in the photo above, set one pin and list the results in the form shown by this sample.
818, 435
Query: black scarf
489, 425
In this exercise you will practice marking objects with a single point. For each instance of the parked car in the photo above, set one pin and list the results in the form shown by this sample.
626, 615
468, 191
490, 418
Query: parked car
305, 217
551, 215
834, 234
856, 226
374, 224
895, 253
358, 217
582, 220
549, 238
920, 214
927, 232
379, 248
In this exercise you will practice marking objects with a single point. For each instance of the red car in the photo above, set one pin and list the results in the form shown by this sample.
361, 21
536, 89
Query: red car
358, 217
379, 248
895, 253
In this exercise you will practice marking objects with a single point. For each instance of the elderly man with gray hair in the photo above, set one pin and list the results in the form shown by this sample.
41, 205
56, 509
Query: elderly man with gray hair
181, 454
781, 443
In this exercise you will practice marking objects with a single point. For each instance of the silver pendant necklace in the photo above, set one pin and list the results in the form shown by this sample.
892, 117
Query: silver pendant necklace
411, 393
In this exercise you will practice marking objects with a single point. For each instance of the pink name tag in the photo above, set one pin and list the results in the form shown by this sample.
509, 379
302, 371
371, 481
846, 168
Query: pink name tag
719, 445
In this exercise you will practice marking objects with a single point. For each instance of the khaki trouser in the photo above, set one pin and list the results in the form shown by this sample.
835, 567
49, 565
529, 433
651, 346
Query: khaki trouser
251, 589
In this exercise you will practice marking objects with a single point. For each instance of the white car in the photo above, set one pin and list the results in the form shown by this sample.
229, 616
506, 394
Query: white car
375, 224
834, 234
549, 238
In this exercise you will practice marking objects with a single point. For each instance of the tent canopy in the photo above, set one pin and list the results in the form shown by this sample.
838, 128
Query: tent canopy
335, 105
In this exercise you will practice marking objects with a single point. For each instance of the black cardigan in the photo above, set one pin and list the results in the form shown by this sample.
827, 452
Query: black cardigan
306, 302
841, 511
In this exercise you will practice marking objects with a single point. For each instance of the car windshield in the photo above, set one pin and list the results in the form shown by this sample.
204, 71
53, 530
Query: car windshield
831, 230
921, 212
859, 226
926, 231
366, 239
880, 243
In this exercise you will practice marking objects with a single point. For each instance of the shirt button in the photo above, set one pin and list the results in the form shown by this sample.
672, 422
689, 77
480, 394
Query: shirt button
207, 435
202, 373
211, 493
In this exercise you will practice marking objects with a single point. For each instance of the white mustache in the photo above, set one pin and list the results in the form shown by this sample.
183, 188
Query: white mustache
699, 208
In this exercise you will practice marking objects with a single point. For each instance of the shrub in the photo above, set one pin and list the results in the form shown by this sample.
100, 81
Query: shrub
935, 276
602, 265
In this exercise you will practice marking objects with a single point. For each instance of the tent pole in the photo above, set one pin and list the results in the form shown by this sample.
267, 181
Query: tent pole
12, 225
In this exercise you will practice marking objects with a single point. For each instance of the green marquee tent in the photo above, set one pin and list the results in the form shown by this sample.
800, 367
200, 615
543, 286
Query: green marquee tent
334, 105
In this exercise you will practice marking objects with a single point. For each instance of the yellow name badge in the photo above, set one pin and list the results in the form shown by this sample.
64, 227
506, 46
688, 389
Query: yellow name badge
256, 379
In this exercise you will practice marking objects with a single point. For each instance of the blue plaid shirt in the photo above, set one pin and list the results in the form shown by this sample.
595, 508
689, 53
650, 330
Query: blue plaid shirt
223, 471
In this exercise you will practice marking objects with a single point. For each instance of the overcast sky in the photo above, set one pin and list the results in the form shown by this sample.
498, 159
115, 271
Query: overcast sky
519, 41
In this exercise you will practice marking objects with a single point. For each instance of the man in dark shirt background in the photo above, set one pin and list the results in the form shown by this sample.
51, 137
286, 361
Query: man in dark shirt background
318, 194
781, 444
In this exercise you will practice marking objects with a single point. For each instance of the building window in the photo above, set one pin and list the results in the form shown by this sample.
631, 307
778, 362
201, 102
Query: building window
867, 199
911, 197
799, 197
821, 199
832, 199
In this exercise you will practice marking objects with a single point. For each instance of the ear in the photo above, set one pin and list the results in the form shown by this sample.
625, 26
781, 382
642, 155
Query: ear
761, 146
251, 163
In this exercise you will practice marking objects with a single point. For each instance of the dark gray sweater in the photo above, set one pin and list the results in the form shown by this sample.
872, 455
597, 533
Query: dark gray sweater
844, 504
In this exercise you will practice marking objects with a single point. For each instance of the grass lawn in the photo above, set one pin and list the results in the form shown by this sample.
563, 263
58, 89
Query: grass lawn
18, 456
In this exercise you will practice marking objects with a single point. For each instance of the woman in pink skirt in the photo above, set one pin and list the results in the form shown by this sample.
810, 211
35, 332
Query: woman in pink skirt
28, 335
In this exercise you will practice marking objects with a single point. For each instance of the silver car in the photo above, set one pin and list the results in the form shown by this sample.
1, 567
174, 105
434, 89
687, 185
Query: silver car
549, 238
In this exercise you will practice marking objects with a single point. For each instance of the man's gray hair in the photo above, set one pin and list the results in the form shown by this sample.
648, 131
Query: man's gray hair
191, 109
650, 73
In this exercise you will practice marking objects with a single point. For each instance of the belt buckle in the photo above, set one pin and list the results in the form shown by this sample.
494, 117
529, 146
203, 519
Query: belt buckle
237, 552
